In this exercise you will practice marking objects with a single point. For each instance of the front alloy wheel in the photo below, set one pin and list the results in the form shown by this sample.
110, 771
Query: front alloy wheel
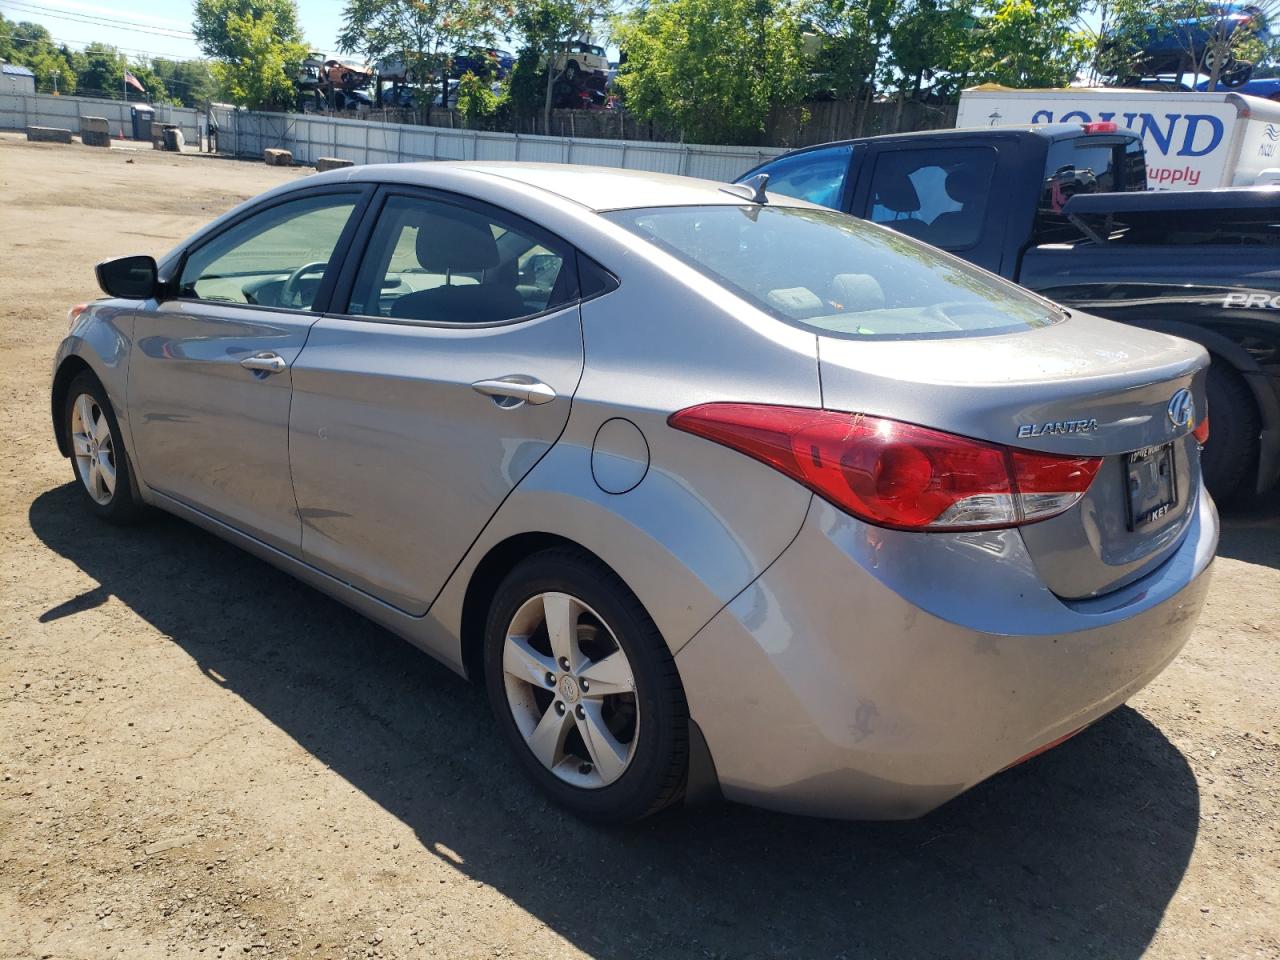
93, 449
97, 453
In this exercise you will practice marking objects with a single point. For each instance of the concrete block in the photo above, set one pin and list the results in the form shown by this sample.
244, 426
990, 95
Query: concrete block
48, 134
95, 132
277, 158
332, 163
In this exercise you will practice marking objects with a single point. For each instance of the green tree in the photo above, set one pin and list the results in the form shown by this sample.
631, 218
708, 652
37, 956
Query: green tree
853, 36
188, 82
218, 40
546, 28
261, 75
713, 69
1130, 26
30, 45
475, 98
930, 41
1021, 43
421, 34
100, 70
256, 49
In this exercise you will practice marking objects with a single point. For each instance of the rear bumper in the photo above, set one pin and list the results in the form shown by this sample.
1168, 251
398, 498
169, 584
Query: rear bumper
875, 674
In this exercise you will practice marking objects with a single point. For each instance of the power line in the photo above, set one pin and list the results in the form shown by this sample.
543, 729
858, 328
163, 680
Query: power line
81, 44
93, 21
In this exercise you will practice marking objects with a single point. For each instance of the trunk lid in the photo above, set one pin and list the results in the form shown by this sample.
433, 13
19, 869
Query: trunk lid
1083, 386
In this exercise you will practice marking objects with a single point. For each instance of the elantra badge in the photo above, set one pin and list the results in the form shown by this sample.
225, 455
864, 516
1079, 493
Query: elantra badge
1055, 428
1182, 408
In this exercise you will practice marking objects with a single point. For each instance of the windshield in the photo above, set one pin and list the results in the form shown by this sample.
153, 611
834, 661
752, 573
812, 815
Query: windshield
836, 274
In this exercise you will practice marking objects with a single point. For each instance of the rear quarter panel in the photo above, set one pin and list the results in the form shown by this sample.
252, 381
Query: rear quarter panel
703, 521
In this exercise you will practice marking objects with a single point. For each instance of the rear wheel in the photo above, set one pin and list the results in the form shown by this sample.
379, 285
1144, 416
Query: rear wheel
585, 689
1231, 454
97, 453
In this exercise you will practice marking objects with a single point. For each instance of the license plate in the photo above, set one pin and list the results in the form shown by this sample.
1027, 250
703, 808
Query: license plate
1153, 488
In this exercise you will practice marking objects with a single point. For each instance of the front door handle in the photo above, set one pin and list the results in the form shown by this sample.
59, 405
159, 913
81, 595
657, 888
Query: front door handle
511, 391
265, 362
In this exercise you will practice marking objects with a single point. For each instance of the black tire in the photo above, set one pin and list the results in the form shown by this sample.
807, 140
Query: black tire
123, 505
655, 777
1229, 460
571, 71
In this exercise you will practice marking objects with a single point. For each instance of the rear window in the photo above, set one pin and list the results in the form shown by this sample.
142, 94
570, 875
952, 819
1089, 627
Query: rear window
1087, 164
836, 274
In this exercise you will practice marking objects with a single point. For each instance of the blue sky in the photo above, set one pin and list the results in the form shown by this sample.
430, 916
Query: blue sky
152, 28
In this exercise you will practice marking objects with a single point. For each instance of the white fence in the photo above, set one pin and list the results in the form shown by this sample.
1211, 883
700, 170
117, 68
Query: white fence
17, 112
309, 137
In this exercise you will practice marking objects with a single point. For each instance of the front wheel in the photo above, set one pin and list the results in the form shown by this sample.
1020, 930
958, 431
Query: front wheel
585, 689
97, 453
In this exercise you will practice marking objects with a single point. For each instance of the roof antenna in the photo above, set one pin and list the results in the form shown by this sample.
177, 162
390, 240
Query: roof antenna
751, 189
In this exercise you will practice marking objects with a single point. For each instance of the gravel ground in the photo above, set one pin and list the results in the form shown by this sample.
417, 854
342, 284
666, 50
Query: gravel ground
201, 757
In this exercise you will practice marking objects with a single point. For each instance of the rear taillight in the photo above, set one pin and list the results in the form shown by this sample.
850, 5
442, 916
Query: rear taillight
897, 474
1201, 432
1100, 126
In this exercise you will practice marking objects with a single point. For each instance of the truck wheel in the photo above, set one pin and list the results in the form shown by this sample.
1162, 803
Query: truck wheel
1231, 454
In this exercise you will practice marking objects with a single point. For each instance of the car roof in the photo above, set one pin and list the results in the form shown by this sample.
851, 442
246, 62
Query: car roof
596, 188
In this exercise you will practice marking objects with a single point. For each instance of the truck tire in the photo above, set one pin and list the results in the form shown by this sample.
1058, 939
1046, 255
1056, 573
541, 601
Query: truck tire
1230, 456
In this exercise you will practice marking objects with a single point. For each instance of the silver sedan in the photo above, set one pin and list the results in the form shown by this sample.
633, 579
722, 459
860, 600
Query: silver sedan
716, 491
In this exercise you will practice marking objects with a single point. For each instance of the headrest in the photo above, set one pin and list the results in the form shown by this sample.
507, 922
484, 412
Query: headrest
964, 185
856, 292
898, 194
461, 242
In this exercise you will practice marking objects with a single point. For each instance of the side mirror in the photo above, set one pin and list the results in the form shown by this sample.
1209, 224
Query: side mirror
130, 278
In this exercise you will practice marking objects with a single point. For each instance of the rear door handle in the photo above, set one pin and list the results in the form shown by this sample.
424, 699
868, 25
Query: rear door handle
265, 362
516, 388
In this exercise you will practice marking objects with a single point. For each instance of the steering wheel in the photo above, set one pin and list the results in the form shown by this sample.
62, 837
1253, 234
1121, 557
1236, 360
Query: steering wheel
289, 294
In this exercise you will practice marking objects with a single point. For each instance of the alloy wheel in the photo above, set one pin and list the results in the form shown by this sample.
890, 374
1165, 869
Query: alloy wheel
94, 449
571, 690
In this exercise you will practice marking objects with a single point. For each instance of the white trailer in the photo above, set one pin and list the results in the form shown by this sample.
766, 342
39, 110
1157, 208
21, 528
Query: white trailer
1193, 140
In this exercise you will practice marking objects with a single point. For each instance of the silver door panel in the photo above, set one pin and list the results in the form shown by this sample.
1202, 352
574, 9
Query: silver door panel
208, 431
398, 463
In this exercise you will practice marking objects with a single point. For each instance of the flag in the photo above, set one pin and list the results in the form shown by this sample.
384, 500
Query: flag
132, 81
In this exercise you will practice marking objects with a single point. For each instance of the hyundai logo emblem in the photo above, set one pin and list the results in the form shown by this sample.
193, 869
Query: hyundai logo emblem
1182, 408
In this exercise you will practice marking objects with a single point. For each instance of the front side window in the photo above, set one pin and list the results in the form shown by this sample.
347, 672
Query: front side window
816, 175
836, 274
938, 196
275, 258
439, 262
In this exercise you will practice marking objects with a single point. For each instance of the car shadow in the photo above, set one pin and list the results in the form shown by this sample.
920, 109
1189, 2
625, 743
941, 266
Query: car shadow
1251, 532
1074, 854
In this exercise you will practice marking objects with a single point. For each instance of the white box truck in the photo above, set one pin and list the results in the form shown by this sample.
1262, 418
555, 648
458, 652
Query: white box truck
1193, 140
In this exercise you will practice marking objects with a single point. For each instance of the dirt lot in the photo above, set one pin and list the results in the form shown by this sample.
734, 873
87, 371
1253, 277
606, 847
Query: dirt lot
201, 757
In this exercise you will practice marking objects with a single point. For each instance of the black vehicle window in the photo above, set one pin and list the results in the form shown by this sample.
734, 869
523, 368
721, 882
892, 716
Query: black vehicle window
938, 196
1091, 165
440, 262
1086, 164
816, 175
275, 258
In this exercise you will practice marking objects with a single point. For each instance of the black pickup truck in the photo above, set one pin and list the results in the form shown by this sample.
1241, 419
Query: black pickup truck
1064, 210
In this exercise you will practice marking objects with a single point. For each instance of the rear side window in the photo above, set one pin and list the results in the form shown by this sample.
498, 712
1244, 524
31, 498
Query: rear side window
439, 262
816, 175
836, 274
938, 196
